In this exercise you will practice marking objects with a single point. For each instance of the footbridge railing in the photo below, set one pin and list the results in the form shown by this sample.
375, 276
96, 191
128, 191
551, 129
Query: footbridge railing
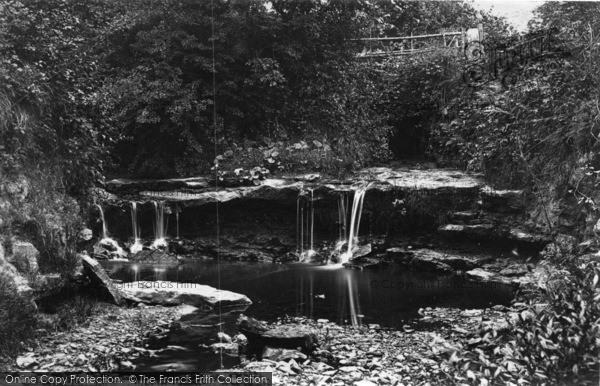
382, 47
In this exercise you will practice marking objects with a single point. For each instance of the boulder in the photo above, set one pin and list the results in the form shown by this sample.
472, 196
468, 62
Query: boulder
529, 240
85, 234
229, 348
473, 232
260, 334
172, 293
98, 276
429, 260
363, 262
10, 273
397, 255
282, 354
108, 248
502, 201
25, 256
154, 257
426, 259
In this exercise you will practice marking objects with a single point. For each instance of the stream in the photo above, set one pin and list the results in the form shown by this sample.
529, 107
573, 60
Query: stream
390, 297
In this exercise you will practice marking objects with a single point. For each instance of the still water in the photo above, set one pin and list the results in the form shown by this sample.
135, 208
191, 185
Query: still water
389, 297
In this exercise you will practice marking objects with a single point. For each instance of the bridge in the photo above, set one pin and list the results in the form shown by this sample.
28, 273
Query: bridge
383, 47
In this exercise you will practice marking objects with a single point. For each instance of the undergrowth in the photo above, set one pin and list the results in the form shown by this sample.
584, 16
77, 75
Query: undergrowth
17, 318
555, 340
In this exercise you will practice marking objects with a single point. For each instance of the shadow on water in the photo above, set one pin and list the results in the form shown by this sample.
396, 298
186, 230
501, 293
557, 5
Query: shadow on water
388, 297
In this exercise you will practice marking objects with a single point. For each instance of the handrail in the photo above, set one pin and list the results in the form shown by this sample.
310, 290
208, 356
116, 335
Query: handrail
410, 37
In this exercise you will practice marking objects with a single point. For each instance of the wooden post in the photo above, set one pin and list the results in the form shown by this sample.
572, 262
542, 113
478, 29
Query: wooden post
444, 38
412, 45
480, 29
462, 41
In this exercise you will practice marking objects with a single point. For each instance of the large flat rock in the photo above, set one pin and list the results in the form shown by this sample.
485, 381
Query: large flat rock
172, 293
98, 276
196, 191
427, 260
154, 257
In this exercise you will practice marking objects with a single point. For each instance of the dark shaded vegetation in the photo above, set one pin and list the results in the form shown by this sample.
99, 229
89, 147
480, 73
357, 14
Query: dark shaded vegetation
17, 318
554, 340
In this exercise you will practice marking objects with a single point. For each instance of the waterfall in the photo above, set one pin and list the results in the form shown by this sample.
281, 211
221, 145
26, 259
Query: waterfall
357, 205
137, 243
107, 241
177, 210
342, 220
160, 225
311, 251
305, 225
104, 230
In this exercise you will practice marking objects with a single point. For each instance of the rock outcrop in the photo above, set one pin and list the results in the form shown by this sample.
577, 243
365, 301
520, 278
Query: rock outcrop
173, 293
10, 273
260, 334
98, 276
502, 201
154, 257
24, 256
432, 261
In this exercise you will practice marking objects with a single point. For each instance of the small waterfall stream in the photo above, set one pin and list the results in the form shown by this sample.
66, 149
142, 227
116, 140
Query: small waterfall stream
160, 225
137, 243
106, 240
357, 205
305, 225
104, 229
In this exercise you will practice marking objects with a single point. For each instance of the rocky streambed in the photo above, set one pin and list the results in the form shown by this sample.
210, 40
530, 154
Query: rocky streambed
114, 339
417, 354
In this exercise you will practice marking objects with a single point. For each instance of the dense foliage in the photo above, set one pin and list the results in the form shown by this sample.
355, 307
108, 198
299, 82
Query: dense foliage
541, 132
553, 340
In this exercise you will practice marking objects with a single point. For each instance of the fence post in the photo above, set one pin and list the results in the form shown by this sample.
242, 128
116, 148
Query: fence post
462, 41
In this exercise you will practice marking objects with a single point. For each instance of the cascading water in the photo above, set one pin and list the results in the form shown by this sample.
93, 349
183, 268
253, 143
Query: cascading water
160, 225
137, 242
177, 210
106, 240
342, 220
357, 205
104, 230
305, 225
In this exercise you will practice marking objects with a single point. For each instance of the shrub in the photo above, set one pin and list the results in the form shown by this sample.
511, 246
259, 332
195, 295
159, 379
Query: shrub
555, 341
17, 318
256, 160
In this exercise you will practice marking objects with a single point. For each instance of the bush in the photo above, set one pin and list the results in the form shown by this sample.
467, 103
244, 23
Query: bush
555, 341
17, 318
257, 160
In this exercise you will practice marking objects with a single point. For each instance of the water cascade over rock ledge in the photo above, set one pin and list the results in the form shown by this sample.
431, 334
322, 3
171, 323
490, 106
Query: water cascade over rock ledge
308, 218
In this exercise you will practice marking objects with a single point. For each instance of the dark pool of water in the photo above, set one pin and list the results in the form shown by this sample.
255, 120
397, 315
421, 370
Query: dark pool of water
389, 297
